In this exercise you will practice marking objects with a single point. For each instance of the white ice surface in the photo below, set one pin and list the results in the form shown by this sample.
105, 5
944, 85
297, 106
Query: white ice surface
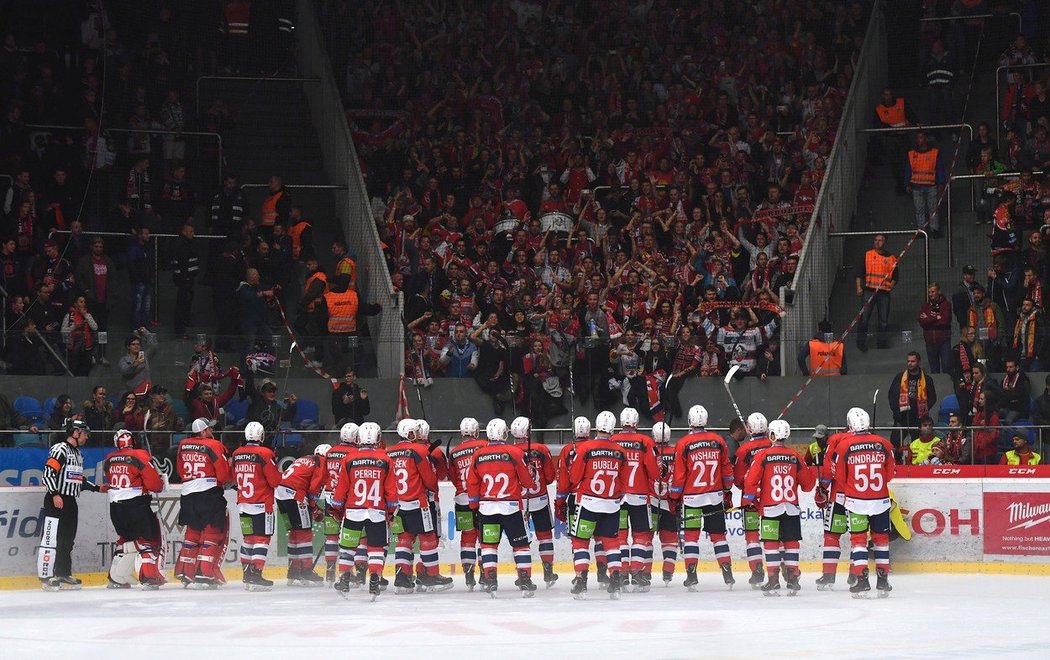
934, 616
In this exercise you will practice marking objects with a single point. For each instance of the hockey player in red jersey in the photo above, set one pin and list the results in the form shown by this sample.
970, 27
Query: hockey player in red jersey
365, 494
771, 487
831, 501
862, 470
415, 479
538, 505
204, 471
565, 503
496, 481
459, 459
597, 477
297, 495
439, 462
257, 476
665, 520
756, 442
334, 464
130, 479
701, 483
636, 518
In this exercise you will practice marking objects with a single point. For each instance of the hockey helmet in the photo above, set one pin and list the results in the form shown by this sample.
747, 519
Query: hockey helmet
779, 430
496, 430
469, 427
254, 432
407, 429
757, 424
581, 427
605, 422
422, 429
123, 439
368, 434
857, 419
519, 428
629, 418
697, 416
322, 449
349, 434
661, 433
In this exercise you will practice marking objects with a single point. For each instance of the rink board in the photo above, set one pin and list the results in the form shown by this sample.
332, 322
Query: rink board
981, 523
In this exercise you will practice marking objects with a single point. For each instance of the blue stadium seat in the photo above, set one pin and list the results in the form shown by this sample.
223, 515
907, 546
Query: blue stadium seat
307, 414
285, 439
30, 440
949, 405
236, 411
181, 411
30, 408
49, 407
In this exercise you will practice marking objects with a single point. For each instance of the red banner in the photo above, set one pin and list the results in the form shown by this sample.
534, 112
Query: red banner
1016, 523
972, 471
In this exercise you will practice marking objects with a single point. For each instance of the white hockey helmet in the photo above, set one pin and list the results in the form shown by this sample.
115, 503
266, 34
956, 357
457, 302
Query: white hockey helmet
779, 430
757, 424
519, 428
422, 429
469, 427
581, 427
349, 433
697, 416
661, 433
857, 419
629, 418
254, 432
605, 422
407, 428
123, 439
368, 435
496, 430
322, 449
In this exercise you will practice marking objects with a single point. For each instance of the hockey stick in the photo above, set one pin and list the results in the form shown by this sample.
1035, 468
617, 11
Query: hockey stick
288, 369
874, 405
419, 395
729, 391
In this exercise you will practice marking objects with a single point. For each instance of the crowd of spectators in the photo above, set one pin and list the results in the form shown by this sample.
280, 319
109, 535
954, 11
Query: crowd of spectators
617, 189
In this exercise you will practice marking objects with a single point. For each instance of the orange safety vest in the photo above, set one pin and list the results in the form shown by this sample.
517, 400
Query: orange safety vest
296, 232
237, 15
892, 115
269, 209
347, 266
306, 287
878, 270
342, 311
819, 351
923, 167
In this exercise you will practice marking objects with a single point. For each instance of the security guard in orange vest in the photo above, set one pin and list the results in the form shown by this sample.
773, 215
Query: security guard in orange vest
302, 234
878, 280
823, 355
306, 323
924, 174
275, 208
892, 112
337, 310
344, 264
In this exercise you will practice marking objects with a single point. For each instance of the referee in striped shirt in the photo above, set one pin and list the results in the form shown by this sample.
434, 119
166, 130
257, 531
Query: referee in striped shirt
63, 479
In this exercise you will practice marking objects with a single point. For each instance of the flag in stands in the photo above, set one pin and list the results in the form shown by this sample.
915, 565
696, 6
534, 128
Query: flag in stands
402, 402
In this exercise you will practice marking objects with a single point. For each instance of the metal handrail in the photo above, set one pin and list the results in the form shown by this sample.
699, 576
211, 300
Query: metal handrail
299, 186
197, 85
118, 234
218, 137
948, 200
934, 19
998, 105
913, 129
895, 232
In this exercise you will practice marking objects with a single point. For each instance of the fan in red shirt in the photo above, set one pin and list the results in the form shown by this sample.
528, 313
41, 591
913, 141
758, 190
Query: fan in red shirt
862, 471
130, 479
364, 496
256, 474
538, 506
771, 487
642, 474
666, 520
334, 465
702, 482
459, 460
301, 485
597, 477
415, 480
203, 470
496, 480
745, 454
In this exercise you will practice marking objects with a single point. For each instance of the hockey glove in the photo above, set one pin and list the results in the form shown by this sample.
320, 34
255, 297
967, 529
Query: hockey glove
727, 499
820, 497
561, 510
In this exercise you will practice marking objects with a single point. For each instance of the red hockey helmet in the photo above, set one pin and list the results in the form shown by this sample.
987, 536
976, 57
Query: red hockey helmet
124, 439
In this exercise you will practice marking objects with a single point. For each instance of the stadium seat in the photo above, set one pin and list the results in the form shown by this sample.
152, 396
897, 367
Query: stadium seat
307, 415
49, 407
949, 405
181, 411
285, 439
30, 408
236, 411
30, 440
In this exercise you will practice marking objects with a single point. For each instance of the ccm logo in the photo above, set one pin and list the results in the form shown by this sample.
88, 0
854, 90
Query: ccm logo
947, 471
1021, 470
